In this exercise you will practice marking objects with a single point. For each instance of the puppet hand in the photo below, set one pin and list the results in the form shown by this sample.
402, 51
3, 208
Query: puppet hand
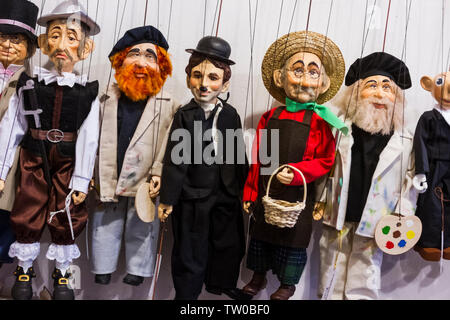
155, 185
163, 211
92, 184
285, 176
319, 210
420, 182
78, 197
246, 206
2, 185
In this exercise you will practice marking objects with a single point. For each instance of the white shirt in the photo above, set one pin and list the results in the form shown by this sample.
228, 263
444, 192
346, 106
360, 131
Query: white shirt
14, 126
6, 74
444, 112
208, 108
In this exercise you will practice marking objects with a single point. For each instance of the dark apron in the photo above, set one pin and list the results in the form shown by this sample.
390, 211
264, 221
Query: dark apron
293, 137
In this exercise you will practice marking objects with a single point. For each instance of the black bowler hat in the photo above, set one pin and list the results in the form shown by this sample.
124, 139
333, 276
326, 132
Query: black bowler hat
18, 16
213, 47
379, 63
146, 34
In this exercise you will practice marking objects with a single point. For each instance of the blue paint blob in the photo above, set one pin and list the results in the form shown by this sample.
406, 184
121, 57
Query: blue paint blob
402, 243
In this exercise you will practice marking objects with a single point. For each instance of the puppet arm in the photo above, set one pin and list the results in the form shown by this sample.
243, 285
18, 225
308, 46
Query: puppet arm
421, 137
86, 151
12, 129
408, 195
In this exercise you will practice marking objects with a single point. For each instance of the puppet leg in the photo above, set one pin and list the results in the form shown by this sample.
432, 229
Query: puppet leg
141, 246
6, 237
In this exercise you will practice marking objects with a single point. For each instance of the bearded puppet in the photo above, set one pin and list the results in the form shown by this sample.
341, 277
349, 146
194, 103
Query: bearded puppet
54, 115
302, 70
432, 179
203, 186
135, 123
372, 176
17, 45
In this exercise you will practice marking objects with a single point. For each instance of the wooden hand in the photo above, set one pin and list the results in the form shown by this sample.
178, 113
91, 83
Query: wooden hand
285, 176
164, 210
155, 185
78, 197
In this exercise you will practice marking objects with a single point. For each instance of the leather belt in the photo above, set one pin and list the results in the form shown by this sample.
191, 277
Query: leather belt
53, 135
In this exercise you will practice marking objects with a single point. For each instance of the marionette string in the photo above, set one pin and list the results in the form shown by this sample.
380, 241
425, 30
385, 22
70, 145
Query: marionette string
204, 17
387, 21
145, 12
218, 19
93, 37
215, 15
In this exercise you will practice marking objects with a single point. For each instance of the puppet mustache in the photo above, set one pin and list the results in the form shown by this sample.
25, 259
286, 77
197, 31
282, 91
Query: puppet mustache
59, 51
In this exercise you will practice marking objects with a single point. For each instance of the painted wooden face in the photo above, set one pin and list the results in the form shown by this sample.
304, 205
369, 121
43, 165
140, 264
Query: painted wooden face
206, 82
301, 78
13, 49
378, 87
439, 87
142, 56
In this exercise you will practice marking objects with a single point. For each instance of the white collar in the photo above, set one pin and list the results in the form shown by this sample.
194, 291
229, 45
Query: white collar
441, 110
66, 79
209, 106
12, 67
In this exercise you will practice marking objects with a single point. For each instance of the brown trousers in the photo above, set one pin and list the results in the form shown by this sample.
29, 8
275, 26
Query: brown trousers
35, 200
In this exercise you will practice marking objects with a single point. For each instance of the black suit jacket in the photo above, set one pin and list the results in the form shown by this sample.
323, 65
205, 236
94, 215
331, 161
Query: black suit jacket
189, 180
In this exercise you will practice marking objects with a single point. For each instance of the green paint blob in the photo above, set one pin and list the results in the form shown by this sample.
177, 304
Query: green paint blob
386, 230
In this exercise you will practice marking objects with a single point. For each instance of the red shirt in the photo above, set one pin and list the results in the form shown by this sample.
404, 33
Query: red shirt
317, 160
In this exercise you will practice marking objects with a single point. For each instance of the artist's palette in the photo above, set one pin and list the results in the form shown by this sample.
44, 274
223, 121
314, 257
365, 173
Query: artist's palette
397, 234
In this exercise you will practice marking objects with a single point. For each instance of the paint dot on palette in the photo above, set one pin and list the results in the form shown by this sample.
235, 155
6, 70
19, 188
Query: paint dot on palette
389, 245
410, 234
397, 234
409, 223
402, 243
386, 230
399, 224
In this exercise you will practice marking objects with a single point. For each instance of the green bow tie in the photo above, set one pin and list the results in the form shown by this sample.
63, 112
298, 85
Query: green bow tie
322, 111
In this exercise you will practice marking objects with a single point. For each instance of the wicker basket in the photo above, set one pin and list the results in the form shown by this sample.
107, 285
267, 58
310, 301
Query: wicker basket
281, 213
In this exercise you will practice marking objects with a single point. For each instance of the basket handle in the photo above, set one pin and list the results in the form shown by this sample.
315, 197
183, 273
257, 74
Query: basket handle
294, 168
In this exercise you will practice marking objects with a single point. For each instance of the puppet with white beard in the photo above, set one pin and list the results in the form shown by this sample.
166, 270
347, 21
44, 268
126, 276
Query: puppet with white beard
372, 177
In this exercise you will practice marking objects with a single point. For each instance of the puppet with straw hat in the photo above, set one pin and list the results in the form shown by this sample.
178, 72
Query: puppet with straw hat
302, 70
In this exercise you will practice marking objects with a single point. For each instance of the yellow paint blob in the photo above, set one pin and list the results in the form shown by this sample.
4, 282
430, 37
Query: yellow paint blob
410, 234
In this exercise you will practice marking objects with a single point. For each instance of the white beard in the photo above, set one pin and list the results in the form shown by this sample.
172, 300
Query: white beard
374, 120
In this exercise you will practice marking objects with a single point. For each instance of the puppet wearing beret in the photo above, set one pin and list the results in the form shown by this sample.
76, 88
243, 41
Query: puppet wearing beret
55, 117
135, 124
203, 185
372, 176
432, 179
302, 70
17, 45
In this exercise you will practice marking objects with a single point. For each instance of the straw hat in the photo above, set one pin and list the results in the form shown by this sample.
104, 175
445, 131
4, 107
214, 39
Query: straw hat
301, 41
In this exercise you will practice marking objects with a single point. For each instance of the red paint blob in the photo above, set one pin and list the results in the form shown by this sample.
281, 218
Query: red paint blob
389, 245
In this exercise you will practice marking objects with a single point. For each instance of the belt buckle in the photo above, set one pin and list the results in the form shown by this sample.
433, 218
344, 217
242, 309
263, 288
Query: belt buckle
55, 135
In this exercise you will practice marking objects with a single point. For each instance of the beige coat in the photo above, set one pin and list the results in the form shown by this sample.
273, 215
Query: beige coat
146, 150
8, 195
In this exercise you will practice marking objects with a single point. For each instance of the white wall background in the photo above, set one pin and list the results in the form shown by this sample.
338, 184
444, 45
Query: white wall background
424, 48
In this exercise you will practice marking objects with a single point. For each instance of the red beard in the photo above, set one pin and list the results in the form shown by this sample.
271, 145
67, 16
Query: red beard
138, 88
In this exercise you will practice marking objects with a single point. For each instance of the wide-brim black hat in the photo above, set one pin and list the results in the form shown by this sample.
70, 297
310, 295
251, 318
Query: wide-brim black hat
215, 48
19, 16
145, 34
379, 63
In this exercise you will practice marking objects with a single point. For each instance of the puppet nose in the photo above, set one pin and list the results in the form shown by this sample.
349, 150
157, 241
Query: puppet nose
203, 89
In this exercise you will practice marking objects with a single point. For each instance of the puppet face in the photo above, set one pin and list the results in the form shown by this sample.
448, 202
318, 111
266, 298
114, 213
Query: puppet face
302, 77
206, 82
13, 49
439, 88
142, 56
378, 89
65, 43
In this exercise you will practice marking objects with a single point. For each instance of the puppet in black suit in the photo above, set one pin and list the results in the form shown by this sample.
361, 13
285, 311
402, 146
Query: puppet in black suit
203, 176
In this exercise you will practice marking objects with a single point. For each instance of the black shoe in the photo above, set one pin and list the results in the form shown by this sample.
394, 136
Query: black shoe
233, 293
61, 289
133, 280
22, 289
103, 278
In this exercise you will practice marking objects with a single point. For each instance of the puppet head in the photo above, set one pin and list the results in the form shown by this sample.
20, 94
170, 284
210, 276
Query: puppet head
303, 66
439, 87
66, 40
373, 98
141, 62
208, 71
17, 27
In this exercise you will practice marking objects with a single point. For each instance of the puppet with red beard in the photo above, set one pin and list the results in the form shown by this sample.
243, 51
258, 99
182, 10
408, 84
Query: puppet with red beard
372, 176
135, 123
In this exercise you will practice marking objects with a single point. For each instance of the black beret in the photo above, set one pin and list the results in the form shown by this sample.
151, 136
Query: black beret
379, 63
146, 34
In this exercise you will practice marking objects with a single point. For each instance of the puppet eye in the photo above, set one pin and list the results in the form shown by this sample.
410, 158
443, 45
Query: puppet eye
439, 81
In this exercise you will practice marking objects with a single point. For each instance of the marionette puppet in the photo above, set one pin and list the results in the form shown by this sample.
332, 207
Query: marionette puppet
432, 171
18, 43
372, 177
303, 70
201, 183
135, 127
54, 115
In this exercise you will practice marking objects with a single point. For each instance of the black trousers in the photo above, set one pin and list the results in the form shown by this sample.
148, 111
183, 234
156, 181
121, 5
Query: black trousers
209, 243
